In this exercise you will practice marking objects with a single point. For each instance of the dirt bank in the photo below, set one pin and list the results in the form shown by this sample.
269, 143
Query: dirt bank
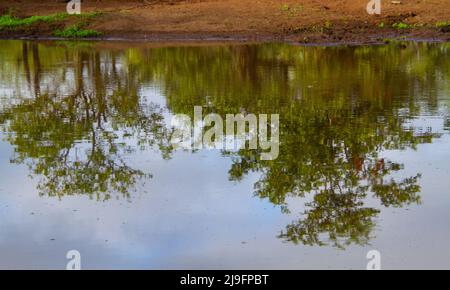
306, 21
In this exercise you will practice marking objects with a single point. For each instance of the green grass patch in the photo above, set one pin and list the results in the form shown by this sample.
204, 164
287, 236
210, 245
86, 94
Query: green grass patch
401, 25
292, 11
9, 21
443, 24
76, 31
285, 7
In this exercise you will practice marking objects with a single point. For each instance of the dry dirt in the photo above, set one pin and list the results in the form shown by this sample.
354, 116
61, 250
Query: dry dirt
306, 21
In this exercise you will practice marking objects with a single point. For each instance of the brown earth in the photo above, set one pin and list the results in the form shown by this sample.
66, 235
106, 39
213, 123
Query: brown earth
306, 21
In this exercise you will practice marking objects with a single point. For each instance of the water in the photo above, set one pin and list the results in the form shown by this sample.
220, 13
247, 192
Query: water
87, 164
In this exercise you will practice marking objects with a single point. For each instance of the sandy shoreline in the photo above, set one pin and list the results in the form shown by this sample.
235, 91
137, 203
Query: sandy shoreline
292, 21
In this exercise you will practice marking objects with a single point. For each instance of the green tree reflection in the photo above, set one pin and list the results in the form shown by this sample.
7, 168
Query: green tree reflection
340, 108
77, 141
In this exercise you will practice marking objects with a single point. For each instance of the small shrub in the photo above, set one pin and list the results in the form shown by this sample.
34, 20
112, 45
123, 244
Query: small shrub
285, 7
76, 31
443, 24
9, 21
400, 25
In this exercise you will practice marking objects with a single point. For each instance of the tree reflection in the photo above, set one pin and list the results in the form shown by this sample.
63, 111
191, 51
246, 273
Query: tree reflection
77, 140
333, 155
340, 109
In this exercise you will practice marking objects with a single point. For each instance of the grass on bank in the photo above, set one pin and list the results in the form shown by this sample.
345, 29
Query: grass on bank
443, 24
76, 31
9, 21
401, 25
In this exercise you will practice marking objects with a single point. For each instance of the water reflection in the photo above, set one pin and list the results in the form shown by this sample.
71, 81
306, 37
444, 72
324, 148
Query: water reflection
76, 138
74, 113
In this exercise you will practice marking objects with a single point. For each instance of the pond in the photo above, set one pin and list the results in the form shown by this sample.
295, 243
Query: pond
87, 161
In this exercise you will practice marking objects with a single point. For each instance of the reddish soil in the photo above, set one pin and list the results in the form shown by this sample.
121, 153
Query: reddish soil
306, 21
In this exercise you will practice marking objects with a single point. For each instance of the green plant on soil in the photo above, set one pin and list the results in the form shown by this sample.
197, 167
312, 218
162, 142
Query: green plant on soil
11, 21
292, 10
76, 31
401, 25
442, 24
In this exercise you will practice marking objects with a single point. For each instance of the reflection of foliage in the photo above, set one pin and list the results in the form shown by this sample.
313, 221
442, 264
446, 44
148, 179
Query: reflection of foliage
334, 125
340, 215
339, 109
335, 156
77, 142
47, 132
398, 194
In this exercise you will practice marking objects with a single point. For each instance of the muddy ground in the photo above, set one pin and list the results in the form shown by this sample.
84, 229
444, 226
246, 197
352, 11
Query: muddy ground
305, 21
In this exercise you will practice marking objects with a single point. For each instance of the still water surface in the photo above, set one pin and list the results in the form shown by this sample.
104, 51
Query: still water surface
86, 162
